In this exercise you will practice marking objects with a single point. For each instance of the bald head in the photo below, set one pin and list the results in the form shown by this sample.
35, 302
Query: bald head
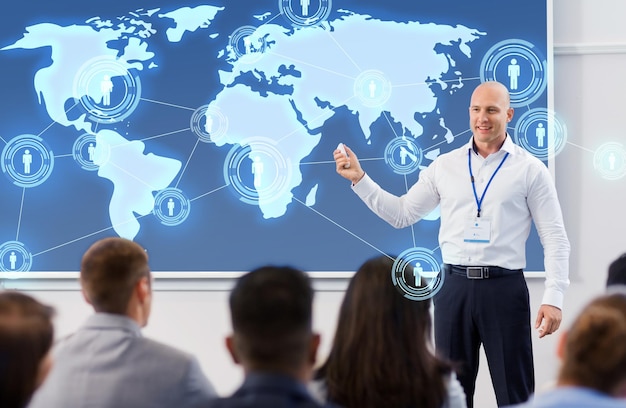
489, 112
496, 89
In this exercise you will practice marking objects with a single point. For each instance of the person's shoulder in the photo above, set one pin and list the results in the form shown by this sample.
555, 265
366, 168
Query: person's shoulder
262, 402
162, 350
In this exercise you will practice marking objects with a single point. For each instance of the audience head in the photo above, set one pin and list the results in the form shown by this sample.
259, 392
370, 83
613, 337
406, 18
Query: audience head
381, 353
115, 278
617, 272
593, 351
26, 335
271, 313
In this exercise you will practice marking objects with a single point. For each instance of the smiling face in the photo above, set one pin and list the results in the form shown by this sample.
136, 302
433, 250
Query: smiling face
489, 112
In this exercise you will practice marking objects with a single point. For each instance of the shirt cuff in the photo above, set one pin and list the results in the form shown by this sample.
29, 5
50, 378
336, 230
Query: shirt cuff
553, 297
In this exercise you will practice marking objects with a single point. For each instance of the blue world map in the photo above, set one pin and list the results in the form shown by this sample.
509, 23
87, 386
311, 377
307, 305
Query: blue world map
205, 132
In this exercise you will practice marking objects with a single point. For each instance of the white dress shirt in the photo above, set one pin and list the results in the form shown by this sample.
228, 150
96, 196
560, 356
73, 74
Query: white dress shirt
521, 192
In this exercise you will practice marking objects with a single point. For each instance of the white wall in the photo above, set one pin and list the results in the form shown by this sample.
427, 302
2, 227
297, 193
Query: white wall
589, 66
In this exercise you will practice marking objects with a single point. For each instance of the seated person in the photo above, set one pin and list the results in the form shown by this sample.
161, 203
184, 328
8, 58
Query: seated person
26, 335
107, 362
382, 354
593, 355
271, 314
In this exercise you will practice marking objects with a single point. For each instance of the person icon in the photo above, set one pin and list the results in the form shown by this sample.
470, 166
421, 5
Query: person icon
170, 207
612, 159
404, 153
417, 273
91, 150
257, 171
514, 73
305, 7
27, 160
106, 87
372, 88
12, 260
208, 124
247, 43
540, 133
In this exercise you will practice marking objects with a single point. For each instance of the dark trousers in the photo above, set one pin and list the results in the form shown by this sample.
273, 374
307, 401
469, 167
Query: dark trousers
494, 312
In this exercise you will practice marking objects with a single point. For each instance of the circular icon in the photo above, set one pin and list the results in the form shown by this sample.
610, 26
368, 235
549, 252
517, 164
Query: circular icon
304, 13
403, 155
84, 151
209, 123
372, 88
416, 274
257, 171
541, 132
27, 160
520, 66
14, 257
106, 90
247, 45
171, 206
610, 161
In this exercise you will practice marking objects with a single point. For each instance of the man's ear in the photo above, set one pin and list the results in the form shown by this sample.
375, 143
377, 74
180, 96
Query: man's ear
313, 347
232, 348
142, 288
85, 296
560, 347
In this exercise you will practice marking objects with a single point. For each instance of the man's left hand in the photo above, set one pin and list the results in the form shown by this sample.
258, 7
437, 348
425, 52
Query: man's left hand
548, 320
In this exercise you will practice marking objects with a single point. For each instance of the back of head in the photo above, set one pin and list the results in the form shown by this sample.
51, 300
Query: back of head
594, 353
110, 270
271, 312
617, 272
26, 335
381, 354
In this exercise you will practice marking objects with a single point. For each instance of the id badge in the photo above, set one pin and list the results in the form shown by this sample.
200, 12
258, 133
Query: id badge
478, 230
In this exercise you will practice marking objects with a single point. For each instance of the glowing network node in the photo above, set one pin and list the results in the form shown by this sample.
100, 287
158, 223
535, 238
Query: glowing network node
305, 13
519, 65
84, 152
14, 257
610, 161
425, 274
171, 207
27, 160
246, 44
257, 171
541, 132
107, 90
372, 88
403, 155
209, 123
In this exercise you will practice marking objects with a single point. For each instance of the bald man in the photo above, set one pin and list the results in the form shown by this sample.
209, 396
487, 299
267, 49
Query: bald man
489, 191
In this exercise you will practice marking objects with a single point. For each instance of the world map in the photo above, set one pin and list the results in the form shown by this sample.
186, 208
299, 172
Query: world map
155, 111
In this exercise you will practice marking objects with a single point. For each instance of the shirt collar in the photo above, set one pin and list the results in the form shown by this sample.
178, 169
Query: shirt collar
508, 145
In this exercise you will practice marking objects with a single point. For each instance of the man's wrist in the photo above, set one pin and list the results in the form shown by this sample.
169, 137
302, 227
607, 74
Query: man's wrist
356, 180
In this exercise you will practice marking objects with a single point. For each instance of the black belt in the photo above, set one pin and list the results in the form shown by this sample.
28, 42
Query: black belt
479, 272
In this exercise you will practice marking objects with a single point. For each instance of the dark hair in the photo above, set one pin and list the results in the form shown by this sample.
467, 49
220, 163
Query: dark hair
617, 272
381, 355
109, 271
26, 335
595, 348
271, 312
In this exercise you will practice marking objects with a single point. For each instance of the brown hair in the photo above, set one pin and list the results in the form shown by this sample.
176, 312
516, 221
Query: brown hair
595, 347
109, 271
381, 355
26, 335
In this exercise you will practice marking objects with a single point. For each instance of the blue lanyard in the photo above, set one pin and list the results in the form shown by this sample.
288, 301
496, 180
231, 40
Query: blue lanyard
469, 163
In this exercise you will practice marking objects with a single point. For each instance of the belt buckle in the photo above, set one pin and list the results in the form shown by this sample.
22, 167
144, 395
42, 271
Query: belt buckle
477, 272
